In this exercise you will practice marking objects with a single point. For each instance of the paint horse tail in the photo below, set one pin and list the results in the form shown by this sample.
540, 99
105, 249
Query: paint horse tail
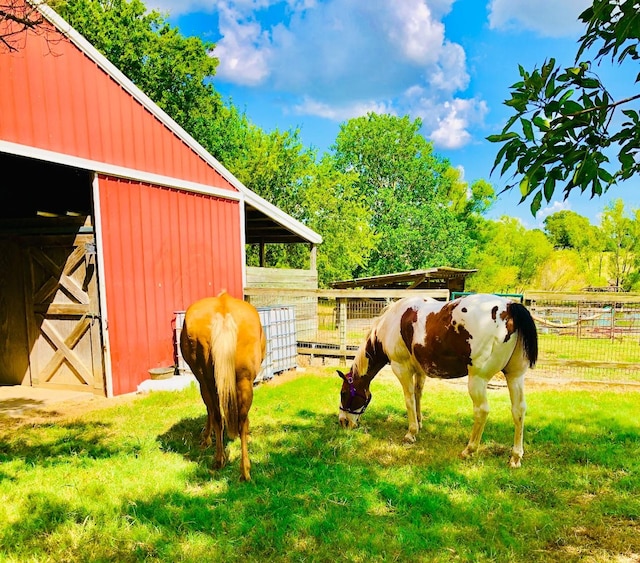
523, 322
224, 339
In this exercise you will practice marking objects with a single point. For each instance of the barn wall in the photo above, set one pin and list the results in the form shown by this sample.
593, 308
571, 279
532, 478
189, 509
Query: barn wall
163, 249
54, 97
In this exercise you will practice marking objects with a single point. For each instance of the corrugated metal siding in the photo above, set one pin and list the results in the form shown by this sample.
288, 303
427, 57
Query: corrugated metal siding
54, 97
169, 249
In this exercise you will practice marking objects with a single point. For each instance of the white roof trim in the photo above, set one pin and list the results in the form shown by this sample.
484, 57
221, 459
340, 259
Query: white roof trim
254, 199
119, 171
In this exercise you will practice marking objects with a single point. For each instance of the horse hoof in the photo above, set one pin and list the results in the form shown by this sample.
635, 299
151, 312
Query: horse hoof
409, 439
466, 453
514, 463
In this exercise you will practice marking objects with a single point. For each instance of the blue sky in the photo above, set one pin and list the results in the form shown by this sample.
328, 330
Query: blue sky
313, 64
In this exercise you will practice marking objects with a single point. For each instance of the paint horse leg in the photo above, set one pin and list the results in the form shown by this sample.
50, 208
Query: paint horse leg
515, 383
419, 387
404, 374
245, 398
477, 387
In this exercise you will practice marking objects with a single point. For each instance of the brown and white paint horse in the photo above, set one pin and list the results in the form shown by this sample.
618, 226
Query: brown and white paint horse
223, 343
478, 335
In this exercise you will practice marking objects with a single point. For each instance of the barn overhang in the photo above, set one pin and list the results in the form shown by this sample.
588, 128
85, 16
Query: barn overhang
264, 223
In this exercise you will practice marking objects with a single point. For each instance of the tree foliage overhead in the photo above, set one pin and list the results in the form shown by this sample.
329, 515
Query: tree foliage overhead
565, 126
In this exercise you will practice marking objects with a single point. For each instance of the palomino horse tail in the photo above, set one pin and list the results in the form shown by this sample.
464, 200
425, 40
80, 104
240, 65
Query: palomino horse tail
224, 340
523, 322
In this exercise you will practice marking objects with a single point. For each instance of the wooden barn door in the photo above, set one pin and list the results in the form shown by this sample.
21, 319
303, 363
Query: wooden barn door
62, 308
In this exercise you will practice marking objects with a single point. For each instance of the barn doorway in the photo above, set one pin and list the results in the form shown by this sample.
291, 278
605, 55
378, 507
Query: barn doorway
49, 304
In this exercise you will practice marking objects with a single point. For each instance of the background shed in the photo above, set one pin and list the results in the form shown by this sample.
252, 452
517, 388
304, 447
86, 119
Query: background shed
442, 277
111, 218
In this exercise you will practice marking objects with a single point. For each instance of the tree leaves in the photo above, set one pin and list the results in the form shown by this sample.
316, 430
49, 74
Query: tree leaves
561, 135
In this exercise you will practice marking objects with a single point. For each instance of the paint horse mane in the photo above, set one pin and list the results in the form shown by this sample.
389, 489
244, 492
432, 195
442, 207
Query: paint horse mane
476, 336
223, 343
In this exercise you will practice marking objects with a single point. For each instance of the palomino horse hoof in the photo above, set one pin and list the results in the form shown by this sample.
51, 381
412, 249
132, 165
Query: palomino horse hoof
466, 453
514, 462
409, 438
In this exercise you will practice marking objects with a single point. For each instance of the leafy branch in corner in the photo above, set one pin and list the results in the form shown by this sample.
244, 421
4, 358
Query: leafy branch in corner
563, 130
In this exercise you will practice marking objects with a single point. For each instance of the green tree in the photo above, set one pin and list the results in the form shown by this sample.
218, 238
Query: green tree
509, 258
333, 208
567, 229
412, 195
564, 128
281, 169
622, 233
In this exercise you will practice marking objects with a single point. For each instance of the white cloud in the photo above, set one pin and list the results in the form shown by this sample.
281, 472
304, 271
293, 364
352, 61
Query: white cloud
548, 18
445, 122
244, 50
553, 208
340, 113
344, 58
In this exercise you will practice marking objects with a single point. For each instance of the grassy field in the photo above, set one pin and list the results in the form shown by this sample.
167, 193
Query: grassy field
129, 482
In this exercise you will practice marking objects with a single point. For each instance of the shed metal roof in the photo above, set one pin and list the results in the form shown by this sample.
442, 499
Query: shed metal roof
413, 279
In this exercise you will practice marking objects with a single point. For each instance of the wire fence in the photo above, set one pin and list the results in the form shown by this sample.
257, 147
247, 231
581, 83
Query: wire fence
582, 336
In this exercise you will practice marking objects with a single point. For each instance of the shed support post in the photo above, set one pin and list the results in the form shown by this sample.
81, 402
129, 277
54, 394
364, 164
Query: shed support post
263, 254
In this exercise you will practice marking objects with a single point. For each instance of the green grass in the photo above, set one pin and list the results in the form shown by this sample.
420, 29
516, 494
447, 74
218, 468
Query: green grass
130, 483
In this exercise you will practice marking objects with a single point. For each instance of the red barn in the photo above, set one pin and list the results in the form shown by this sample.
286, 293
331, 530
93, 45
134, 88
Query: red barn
111, 219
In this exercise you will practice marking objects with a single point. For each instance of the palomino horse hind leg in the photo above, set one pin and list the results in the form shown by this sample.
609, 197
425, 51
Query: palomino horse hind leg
405, 376
478, 393
245, 398
214, 420
208, 400
218, 430
515, 383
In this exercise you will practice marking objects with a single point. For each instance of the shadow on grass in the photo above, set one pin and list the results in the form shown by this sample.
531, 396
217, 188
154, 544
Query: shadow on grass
79, 439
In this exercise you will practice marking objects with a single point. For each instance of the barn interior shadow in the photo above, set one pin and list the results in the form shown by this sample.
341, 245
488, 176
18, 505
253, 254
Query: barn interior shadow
38, 237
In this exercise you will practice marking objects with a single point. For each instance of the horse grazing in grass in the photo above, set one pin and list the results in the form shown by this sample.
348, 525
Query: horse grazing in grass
478, 335
223, 343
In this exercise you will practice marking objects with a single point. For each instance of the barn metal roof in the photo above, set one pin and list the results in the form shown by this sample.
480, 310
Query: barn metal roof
264, 222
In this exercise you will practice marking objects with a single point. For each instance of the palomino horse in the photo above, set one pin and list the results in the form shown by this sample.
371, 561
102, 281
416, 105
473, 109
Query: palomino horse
478, 335
224, 344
